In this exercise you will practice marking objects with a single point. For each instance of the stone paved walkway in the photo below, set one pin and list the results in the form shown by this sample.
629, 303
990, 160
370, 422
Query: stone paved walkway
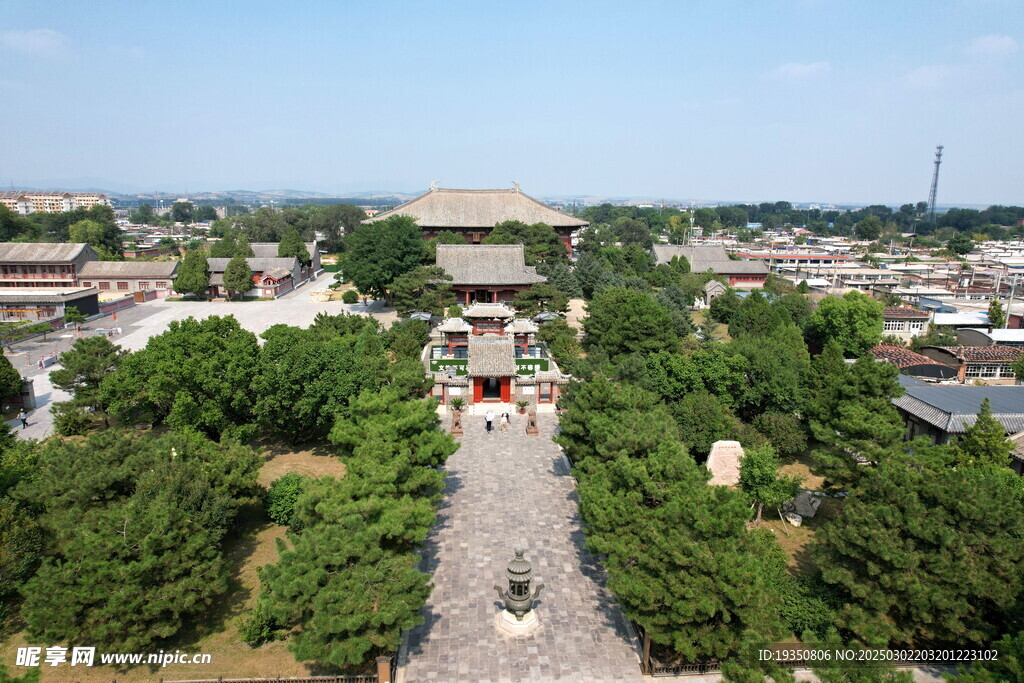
505, 490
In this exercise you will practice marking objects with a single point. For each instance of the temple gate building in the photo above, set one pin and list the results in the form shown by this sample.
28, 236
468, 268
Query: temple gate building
487, 273
474, 213
490, 356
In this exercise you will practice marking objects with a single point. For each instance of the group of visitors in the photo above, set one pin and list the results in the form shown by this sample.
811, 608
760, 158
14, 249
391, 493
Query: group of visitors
506, 417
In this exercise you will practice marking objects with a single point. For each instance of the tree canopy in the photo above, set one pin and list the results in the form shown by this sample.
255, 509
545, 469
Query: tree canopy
378, 253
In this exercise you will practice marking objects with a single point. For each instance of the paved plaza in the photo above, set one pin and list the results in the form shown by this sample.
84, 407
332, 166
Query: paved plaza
505, 490
140, 322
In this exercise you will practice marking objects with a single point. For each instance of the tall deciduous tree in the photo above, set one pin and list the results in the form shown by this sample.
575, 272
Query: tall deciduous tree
378, 253
305, 380
761, 481
855, 321
291, 244
237, 276
193, 274
197, 374
104, 237
996, 316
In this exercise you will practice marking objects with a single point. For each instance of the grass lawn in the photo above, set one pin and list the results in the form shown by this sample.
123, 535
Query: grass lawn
721, 331
795, 543
253, 545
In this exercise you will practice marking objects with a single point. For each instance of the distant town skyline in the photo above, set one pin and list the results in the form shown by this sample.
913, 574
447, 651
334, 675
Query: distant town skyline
830, 101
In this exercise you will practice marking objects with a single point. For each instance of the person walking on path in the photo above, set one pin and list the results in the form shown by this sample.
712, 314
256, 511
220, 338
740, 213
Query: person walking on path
504, 422
23, 416
489, 419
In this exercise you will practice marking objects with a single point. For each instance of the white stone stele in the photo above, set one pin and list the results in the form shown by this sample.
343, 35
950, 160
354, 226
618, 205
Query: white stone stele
724, 463
507, 623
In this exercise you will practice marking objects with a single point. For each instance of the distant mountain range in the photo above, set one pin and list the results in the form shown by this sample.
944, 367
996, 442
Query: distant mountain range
132, 195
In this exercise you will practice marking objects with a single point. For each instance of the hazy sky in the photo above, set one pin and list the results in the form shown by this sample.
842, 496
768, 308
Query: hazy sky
825, 100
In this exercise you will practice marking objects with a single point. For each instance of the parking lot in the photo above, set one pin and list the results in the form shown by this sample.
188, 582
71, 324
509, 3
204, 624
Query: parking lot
139, 323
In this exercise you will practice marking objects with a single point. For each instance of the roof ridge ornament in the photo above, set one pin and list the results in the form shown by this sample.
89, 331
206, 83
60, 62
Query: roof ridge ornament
433, 186
515, 187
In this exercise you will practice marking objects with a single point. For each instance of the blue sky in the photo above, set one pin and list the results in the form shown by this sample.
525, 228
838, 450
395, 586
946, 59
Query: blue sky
805, 100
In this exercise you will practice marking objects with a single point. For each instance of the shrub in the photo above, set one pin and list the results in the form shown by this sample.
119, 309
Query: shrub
455, 311
784, 431
350, 297
282, 496
808, 604
70, 419
258, 628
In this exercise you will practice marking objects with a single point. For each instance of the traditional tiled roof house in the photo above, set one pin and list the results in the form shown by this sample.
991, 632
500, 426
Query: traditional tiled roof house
473, 213
740, 274
913, 364
993, 364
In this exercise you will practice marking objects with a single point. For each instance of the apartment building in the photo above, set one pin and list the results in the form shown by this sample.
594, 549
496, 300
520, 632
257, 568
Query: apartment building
24, 203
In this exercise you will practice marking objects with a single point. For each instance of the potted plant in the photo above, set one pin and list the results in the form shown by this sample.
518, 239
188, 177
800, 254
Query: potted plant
457, 403
522, 405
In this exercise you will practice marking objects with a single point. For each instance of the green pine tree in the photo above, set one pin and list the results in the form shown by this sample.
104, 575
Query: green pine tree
926, 554
984, 442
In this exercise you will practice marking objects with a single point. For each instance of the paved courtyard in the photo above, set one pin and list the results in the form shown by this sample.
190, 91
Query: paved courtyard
143, 321
505, 490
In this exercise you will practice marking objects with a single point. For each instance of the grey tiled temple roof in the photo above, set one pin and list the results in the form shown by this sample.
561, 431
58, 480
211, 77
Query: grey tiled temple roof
451, 208
256, 265
41, 252
489, 311
43, 295
487, 264
454, 326
491, 356
954, 408
706, 257
521, 326
101, 269
269, 249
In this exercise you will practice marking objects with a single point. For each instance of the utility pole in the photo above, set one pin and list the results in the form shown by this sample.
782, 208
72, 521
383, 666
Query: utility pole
935, 185
1009, 304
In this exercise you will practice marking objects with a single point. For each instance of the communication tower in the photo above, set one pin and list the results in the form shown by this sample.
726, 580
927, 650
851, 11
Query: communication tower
935, 185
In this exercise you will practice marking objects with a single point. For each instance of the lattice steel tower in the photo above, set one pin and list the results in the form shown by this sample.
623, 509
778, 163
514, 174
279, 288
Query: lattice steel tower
935, 186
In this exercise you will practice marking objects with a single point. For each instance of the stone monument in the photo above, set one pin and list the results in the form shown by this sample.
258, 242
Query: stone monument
724, 463
456, 423
518, 617
531, 423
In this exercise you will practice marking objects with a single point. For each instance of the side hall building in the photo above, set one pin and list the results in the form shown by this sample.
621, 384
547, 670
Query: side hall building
474, 213
43, 264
